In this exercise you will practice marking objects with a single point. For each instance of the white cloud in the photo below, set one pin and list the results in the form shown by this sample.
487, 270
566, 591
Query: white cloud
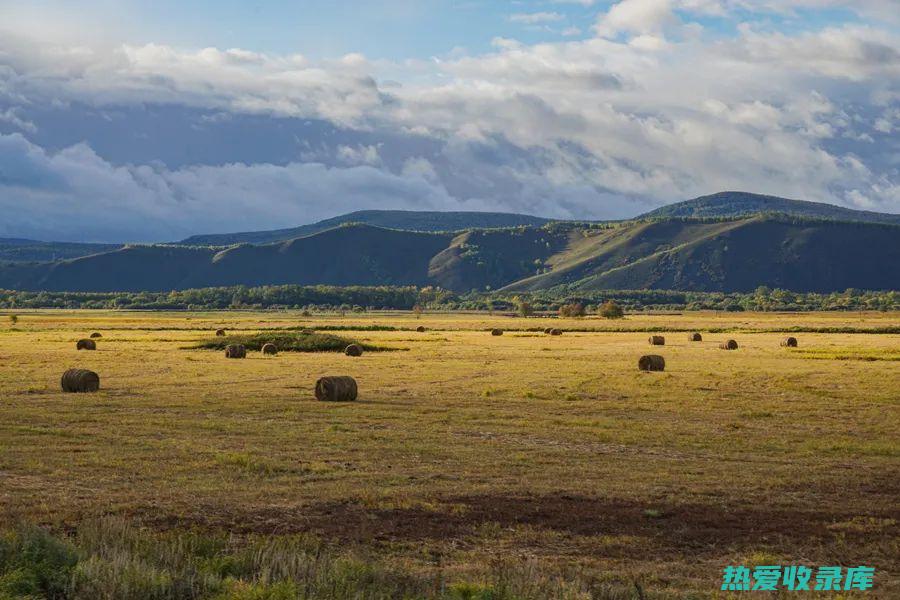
603, 127
11, 116
76, 195
854, 52
536, 18
636, 17
359, 155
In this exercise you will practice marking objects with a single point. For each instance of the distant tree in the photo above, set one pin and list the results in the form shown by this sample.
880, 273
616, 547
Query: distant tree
611, 310
523, 306
575, 309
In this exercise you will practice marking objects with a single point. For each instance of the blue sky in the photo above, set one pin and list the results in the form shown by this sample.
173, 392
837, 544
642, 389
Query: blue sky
391, 29
322, 28
176, 118
387, 29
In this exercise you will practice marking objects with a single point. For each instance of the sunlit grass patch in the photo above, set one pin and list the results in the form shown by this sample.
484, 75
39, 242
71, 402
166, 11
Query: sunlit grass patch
863, 525
253, 464
852, 447
761, 557
348, 328
863, 354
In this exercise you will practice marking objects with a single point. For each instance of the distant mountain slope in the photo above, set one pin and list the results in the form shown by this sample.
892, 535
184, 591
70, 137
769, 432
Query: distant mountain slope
349, 255
738, 204
680, 254
486, 259
739, 255
390, 219
352, 255
598, 251
19, 250
131, 268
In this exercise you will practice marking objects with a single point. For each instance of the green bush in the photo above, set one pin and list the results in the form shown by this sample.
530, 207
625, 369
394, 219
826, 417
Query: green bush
286, 342
33, 563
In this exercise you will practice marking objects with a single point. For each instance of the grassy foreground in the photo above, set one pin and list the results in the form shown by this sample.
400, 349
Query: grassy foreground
473, 466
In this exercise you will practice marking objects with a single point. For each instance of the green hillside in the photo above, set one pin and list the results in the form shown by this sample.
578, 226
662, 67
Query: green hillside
739, 204
733, 256
673, 254
483, 260
799, 256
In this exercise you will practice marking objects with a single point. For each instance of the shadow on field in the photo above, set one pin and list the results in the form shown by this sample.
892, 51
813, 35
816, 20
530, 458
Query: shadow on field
687, 527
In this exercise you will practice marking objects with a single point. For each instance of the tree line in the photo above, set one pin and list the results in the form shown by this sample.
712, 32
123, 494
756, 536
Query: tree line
358, 298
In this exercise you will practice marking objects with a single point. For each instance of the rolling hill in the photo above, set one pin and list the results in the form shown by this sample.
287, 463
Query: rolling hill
684, 254
740, 204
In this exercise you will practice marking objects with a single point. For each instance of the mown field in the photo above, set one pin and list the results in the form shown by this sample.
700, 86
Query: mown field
472, 466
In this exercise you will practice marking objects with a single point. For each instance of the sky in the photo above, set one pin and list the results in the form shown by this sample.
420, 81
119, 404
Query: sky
129, 121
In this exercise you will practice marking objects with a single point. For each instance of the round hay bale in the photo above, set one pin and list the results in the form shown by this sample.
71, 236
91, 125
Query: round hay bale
548, 330
695, 337
80, 381
353, 350
789, 342
729, 345
652, 362
420, 329
496, 332
336, 389
269, 348
235, 351
556, 332
220, 333
657, 340
96, 335
86, 345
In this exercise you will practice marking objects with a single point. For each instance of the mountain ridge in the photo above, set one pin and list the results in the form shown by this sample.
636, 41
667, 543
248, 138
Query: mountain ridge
434, 221
679, 254
722, 205
733, 204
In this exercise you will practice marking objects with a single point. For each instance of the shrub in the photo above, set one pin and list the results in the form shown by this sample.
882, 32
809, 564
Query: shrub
35, 564
611, 310
575, 309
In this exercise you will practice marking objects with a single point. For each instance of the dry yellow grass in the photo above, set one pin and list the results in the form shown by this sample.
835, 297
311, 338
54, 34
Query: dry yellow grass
473, 446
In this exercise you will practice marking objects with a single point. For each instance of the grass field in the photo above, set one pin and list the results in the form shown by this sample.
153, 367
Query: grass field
472, 466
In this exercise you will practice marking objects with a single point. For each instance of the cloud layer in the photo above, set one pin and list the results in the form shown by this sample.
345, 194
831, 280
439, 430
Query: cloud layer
151, 142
